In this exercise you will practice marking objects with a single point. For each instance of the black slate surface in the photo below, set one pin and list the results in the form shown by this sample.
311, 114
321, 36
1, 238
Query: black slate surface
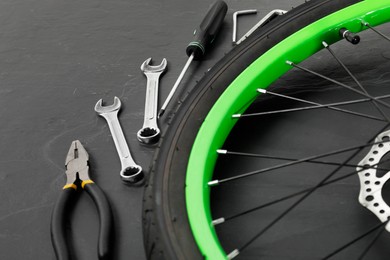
57, 59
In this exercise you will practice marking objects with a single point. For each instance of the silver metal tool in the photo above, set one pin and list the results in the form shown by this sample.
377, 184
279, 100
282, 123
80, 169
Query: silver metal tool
373, 180
177, 83
235, 15
265, 19
150, 133
130, 172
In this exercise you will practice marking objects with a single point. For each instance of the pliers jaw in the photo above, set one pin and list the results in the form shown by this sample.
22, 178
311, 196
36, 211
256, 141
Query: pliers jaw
77, 170
76, 164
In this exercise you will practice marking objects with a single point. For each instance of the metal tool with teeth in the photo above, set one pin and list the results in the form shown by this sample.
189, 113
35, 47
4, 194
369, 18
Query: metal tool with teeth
150, 133
130, 172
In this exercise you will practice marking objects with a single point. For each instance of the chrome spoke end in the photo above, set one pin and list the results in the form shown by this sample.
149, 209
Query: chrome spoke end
221, 151
364, 23
233, 254
213, 183
218, 221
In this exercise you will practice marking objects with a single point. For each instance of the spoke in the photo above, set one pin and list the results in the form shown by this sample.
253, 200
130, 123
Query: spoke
248, 174
375, 30
264, 156
317, 105
330, 106
345, 176
312, 159
336, 82
355, 79
377, 236
294, 205
293, 195
381, 225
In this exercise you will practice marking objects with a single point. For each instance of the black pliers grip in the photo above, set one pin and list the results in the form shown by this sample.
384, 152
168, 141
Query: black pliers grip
63, 207
58, 221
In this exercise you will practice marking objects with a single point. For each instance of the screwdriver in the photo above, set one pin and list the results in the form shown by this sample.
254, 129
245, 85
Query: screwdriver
204, 35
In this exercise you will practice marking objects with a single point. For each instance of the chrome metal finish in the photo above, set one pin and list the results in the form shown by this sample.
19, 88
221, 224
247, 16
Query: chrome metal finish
213, 183
177, 83
76, 162
261, 22
233, 254
218, 221
130, 172
371, 184
150, 133
235, 16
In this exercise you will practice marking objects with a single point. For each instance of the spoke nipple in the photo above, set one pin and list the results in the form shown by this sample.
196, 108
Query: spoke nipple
365, 23
213, 183
325, 44
236, 116
233, 254
221, 151
261, 90
218, 221
289, 62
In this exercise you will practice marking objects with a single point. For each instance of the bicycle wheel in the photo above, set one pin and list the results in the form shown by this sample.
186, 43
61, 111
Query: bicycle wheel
180, 182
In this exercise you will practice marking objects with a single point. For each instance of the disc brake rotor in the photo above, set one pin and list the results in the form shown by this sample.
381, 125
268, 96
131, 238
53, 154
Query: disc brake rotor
371, 183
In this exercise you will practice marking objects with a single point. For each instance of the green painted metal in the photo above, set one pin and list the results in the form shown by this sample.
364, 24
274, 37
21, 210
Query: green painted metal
238, 96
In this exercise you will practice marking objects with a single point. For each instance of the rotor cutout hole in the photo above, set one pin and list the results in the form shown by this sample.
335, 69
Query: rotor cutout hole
383, 166
370, 198
386, 192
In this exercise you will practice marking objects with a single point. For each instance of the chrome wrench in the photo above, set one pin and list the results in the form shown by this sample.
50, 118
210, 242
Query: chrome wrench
130, 172
150, 133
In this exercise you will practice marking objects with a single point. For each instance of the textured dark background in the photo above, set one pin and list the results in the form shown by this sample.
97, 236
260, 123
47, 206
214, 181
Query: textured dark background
57, 59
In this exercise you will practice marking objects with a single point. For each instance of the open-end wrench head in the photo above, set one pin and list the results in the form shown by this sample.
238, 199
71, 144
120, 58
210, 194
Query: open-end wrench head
148, 135
132, 175
100, 109
146, 67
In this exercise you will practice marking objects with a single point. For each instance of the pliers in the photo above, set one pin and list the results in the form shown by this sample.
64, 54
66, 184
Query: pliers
77, 172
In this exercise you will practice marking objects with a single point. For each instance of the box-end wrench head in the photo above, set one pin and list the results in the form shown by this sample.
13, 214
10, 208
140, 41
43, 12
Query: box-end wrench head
130, 171
150, 133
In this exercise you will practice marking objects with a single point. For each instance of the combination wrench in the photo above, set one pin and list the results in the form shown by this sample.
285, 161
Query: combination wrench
130, 172
150, 133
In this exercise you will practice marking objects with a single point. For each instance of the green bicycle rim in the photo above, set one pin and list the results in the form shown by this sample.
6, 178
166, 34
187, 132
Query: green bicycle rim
240, 94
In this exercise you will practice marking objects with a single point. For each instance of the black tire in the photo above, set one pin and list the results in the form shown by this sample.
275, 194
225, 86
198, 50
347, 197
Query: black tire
166, 230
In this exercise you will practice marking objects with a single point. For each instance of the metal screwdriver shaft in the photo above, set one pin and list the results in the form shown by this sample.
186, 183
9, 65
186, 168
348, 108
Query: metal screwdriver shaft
177, 83
196, 49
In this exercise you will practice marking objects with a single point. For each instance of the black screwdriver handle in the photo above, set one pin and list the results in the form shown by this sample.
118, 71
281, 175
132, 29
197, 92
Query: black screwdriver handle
208, 29
105, 217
